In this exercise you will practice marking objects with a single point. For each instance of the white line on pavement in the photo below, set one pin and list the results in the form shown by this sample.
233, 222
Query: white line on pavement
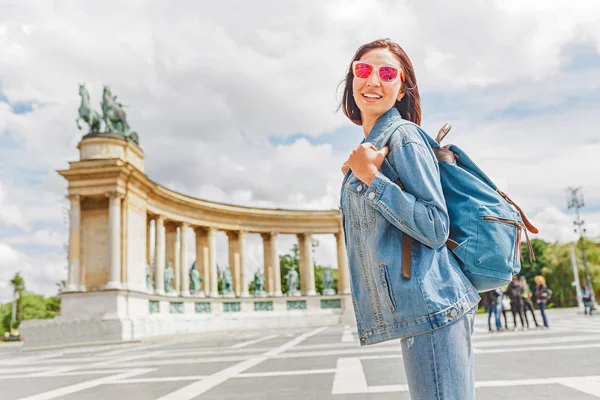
349, 377
249, 342
63, 391
347, 335
197, 388
285, 373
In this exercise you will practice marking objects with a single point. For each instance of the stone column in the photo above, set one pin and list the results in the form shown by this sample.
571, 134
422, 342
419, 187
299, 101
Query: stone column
212, 261
236, 262
148, 247
272, 271
159, 255
232, 247
183, 262
307, 271
343, 272
203, 257
114, 240
74, 277
171, 252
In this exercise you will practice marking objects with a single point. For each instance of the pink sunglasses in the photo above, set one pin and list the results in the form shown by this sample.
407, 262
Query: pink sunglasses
387, 73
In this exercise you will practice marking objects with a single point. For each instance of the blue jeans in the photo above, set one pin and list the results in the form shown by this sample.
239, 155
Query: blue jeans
494, 310
588, 304
440, 364
543, 311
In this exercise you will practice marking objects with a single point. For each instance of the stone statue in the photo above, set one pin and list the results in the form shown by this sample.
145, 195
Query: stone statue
226, 283
149, 283
115, 119
328, 282
195, 279
89, 116
259, 284
292, 282
169, 278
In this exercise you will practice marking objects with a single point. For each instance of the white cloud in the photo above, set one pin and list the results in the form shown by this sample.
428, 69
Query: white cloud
41, 273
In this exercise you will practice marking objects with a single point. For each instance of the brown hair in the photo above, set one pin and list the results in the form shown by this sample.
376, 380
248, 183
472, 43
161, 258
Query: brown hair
409, 106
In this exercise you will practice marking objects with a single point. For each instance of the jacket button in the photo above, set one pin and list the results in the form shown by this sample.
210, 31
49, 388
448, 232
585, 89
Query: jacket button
372, 195
453, 313
359, 188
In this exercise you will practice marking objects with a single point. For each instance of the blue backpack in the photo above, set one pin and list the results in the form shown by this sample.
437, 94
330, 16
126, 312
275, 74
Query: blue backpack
485, 224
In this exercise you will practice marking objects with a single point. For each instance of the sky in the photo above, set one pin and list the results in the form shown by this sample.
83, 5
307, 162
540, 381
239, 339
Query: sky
236, 102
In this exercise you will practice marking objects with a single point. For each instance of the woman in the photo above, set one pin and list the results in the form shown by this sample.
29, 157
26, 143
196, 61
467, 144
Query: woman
394, 210
542, 294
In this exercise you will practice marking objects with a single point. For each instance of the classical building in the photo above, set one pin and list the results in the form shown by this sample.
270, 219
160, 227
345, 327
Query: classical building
129, 272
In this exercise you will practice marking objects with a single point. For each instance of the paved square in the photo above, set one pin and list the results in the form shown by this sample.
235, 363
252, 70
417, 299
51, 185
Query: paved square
562, 362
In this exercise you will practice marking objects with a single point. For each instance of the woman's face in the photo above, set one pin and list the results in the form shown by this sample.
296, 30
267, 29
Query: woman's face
373, 96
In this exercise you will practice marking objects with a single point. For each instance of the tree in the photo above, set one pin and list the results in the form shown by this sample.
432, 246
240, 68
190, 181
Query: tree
292, 259
559, 274
18, 286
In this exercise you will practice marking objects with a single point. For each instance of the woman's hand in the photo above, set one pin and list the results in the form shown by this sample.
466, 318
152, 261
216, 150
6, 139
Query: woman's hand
365, 161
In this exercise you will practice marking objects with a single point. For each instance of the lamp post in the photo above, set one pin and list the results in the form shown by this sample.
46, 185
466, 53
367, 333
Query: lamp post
576, 201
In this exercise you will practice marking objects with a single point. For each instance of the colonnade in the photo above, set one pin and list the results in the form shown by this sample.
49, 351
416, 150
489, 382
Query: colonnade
170, 234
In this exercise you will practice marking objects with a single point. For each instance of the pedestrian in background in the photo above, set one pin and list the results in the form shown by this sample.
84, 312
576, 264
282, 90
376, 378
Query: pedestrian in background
527, 303
514, 293
586, 296
492, 298
504, 305
542, 295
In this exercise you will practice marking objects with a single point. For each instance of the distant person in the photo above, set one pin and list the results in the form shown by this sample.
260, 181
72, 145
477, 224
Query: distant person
527, 303
492, 298
586, 296
542, 295
514, 292
504, 305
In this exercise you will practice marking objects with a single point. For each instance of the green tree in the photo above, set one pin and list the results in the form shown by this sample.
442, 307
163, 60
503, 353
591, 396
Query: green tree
292, 259
559, 274
18, 284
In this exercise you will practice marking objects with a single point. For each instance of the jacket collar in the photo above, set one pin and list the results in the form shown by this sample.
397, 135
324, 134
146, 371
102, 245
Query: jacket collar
388, 118
381, 125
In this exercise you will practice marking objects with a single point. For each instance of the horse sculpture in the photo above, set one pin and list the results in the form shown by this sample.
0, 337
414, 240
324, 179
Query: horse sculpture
114, 116
86, 113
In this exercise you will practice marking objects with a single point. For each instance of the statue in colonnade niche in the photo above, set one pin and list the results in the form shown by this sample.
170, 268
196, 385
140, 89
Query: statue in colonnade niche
259, 284
227, 282
292, 282
195, 279
169, 277
328, 282
149, 283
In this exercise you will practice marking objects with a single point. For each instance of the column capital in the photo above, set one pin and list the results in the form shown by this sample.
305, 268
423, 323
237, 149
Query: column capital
268, 235
206, 230
73, 197
114, 193
235, 234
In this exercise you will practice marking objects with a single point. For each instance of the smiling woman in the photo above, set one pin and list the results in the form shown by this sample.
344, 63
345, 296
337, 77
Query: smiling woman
405, 283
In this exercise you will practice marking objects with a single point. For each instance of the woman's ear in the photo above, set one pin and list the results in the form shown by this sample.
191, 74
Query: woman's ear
400, 95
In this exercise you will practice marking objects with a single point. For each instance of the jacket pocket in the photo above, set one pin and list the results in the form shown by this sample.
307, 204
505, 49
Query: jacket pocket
387, 287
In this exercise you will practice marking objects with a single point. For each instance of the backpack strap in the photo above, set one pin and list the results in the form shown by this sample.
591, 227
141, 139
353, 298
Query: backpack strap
406, 239
381, 142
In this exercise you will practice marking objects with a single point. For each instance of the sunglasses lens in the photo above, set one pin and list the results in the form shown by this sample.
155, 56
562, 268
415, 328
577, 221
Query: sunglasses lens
362, 70
388, 74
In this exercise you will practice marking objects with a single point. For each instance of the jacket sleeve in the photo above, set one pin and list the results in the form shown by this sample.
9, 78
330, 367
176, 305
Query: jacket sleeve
420, 211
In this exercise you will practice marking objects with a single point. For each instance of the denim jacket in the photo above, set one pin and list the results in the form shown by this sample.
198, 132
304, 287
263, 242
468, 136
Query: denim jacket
388, 306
